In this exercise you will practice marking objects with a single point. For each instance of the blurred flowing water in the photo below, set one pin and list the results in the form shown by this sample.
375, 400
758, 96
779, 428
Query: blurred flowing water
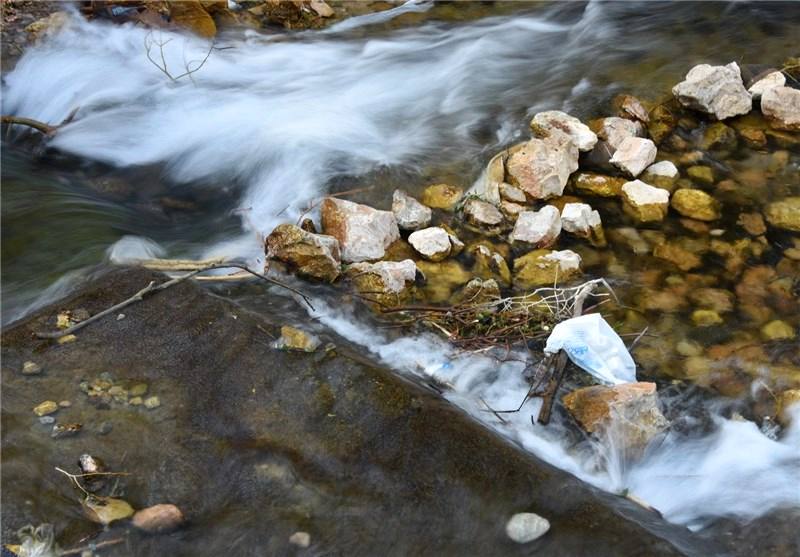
208, 165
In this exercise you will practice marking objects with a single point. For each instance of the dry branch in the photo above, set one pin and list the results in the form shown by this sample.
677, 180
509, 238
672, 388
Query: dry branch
152, 288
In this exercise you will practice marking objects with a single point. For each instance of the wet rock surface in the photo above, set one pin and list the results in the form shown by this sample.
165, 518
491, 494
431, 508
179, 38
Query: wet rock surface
715, 90
365, 433
363, 233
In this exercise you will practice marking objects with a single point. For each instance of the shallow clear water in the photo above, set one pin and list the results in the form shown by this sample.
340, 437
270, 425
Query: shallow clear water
206, 166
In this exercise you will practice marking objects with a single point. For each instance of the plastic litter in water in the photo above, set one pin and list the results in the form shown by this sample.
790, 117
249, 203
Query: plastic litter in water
595, 347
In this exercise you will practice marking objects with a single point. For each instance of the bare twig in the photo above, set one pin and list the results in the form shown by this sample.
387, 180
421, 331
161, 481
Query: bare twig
152, 287
149, 42
46, 129
92, 547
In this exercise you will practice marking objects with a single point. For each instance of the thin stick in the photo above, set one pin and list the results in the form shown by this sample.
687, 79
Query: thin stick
91, 547
163, 286
46, 129
74, 480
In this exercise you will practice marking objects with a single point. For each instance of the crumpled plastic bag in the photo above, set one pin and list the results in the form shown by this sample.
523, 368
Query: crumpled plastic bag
595, 347
37, 542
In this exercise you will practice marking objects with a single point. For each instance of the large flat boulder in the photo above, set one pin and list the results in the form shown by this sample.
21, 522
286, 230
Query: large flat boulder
260, 443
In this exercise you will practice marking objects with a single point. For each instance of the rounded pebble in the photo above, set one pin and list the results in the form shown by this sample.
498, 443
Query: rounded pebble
65, 404
526, 527
31, 368
152, 402
158, 518
300, 539
47, 420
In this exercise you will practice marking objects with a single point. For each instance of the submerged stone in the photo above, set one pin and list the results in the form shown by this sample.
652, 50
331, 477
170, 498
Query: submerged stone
442, 196
105, 510
363, 233
546, 268
680, 257
662, 174
482, 214
717, 137
784, 213
385, 282
695, 204
45, 408
489, 264
631, 107
778, 330
715, 90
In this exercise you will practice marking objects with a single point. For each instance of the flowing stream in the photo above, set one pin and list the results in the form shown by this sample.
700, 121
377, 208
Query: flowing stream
272, 121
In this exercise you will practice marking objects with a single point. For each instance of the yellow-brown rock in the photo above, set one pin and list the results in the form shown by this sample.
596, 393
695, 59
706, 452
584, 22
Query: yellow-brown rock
441, 196
591, 183
629, 412
695, 204
545, 267
681, 258
191, 15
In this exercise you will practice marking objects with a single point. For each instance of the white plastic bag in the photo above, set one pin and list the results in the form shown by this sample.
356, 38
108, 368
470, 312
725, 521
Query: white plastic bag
595, 347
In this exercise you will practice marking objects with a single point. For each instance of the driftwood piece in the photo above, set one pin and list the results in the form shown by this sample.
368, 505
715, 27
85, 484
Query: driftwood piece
558, 362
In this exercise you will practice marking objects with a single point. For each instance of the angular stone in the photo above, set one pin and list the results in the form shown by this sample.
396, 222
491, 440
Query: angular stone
695, 204
629, 412
385, 282
715, 90
631, 107
772, 79
305, 253
662, 174
537, 228
512, 193
434, 243
633, 155
590, 183
614, 130
753, 137
781, 107
581, 220
364, 233
541, 167
718, 299
482, 214
784, 213
544, 122
511, 211
296, 339
701, 174
546, 268
322, 8
410, 213
442, 196
644, 202
662, 122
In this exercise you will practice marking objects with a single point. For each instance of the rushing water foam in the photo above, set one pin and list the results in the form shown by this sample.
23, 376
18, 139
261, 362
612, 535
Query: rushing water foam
283, 117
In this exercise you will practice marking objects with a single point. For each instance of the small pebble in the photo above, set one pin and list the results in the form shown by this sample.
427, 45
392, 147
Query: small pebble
45, 408
65, 404
136, 401
66, 339
105, 428
152, 402
47, 420
300, 539
120, 317
84, 386
158, 518
65, 430
106, 376
31, 368
526, 527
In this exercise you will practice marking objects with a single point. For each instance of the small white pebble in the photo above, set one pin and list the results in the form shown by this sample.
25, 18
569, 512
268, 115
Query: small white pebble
526, 527
120, 317
300, 539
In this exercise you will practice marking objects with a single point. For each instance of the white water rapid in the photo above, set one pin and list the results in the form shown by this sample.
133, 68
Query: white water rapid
283, 117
